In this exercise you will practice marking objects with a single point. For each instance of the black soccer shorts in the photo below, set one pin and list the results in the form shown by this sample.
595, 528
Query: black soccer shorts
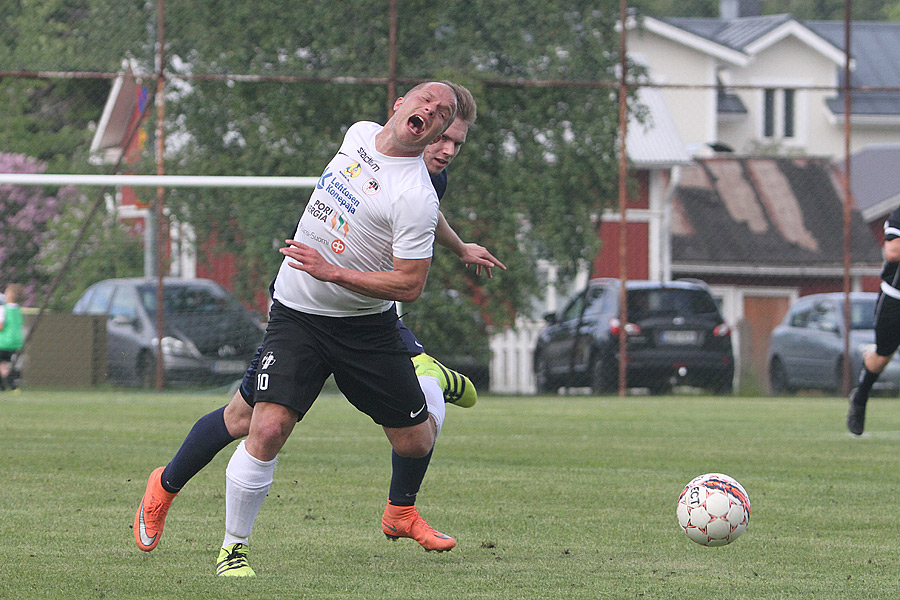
248, 383
887, 325
366, 354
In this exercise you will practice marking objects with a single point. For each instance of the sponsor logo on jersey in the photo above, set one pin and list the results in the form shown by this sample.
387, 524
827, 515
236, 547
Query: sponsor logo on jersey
368, 159
267, 361
337, 246
340, 192
339, 223
371, 187
319, 210
353, 169
313, 237
323, 179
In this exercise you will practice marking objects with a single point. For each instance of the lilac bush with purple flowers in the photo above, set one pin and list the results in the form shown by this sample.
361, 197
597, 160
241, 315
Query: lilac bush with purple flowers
25, 215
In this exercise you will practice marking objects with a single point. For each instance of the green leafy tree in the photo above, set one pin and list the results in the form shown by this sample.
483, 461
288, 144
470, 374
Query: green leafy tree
538, 166
828, 10
107, 249
892, 11
50, 119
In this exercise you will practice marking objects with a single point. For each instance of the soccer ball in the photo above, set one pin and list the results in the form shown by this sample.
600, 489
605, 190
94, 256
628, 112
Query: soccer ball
713, 509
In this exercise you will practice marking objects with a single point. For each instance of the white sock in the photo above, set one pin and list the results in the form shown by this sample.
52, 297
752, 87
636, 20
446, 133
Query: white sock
247, 482
434, 398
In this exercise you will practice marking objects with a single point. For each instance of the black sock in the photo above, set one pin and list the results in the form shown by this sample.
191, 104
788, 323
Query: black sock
406, 478
866, 380
207, 437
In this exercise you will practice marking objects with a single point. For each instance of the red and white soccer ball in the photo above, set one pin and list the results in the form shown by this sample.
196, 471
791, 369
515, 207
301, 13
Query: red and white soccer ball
713, 509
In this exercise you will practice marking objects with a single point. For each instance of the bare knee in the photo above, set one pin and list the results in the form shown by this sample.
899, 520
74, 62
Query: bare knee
270, 427
412, 449
412, 442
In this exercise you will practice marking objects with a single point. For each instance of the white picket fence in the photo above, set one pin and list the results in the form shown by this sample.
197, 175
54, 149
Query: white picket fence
511, 354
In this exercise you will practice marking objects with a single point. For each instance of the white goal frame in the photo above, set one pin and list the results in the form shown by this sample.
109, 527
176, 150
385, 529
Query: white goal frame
182, 252
157, 181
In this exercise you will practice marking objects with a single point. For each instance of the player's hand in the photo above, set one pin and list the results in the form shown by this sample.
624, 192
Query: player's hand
473, 254
308, 259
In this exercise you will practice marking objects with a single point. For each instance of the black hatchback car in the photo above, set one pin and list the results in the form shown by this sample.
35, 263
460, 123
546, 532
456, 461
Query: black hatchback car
209, 338
675, 335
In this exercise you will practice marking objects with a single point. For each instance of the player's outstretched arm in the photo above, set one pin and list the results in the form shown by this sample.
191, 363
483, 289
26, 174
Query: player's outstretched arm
468, 252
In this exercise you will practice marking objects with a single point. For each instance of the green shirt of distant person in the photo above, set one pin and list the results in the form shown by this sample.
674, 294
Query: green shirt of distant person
11, 334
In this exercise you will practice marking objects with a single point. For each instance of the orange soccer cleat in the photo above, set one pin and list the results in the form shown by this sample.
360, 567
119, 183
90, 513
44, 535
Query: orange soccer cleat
151, 514
404, 521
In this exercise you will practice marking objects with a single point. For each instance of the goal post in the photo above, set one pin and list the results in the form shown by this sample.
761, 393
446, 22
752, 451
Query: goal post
157, 181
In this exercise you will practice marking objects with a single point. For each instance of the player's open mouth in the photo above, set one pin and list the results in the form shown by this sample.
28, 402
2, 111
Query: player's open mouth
416, 124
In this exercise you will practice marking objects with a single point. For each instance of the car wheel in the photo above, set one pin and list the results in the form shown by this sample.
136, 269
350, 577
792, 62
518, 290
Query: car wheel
778, 379
604, 376
543, 379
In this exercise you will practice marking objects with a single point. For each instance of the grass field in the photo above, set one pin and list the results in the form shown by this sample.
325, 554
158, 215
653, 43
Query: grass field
563, 497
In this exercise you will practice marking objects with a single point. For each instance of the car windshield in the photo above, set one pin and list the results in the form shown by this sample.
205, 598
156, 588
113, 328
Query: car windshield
187, 299
671, 301
862, 314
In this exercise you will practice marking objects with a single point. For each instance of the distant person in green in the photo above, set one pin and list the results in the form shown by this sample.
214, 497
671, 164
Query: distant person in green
10, 334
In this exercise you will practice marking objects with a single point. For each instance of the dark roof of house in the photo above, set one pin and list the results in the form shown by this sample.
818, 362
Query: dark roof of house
734, 33
769, 212
875, 180
873, 48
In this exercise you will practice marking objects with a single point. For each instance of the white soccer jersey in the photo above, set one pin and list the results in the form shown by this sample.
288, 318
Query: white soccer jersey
366, 209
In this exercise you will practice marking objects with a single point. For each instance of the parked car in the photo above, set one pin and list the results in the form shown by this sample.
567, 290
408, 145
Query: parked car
209, 338
675, 335
806, 350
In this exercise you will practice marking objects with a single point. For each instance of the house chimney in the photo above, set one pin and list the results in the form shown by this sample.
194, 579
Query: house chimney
733, 9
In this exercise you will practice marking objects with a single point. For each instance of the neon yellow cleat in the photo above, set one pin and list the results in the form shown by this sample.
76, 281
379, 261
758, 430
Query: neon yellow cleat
233, 561
458, 389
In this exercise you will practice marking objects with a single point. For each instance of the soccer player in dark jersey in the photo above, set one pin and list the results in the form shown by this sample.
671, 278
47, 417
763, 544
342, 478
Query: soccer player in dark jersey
216, 430
887, 326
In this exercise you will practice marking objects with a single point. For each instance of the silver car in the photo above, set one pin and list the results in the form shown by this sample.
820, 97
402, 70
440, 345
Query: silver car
208, 337
806, 351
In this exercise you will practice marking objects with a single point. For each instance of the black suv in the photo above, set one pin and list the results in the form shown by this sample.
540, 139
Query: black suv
675, 334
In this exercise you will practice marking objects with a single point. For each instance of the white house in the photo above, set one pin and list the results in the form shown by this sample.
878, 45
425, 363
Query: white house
760, 81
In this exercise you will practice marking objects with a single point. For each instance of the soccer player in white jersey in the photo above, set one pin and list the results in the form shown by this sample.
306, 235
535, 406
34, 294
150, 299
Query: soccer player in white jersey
364, 241
217, 429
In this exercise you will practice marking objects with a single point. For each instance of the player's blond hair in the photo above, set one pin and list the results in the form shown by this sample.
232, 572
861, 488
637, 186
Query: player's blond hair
466, 109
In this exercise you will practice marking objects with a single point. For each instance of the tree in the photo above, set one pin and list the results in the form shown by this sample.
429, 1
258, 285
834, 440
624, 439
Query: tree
892, 11
827, 10
50, 119
106, 250
25, 213
538, 167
